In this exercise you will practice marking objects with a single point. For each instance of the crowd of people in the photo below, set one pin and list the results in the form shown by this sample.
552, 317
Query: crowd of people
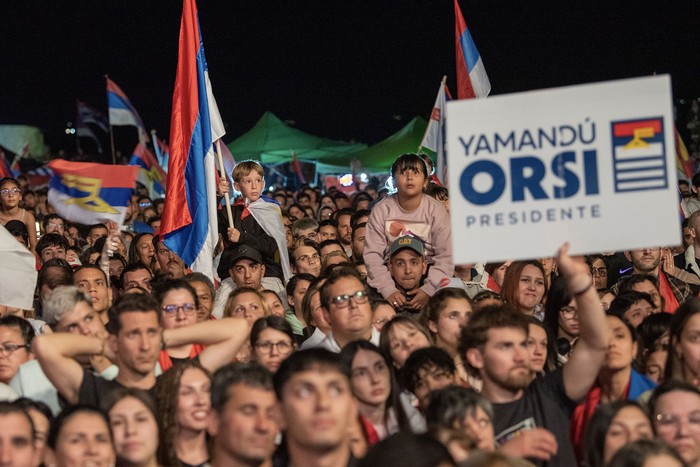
341, 333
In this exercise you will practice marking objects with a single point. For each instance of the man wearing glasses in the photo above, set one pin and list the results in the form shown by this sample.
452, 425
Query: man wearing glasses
346, 307
16, 336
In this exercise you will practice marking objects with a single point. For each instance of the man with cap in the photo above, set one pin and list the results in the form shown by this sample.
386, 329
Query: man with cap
242, 266
407, 267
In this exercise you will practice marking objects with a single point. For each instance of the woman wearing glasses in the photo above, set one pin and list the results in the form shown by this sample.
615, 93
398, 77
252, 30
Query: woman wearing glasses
10, 196
179, 304
271, 341
561, 320
675, 412
599, 270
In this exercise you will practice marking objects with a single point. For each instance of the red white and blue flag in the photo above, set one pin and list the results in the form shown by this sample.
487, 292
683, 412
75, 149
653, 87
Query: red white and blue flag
434, 138
121, 112
151, 174
189, 226
296, 166
90, 193
472, 80
40, 177
86, 118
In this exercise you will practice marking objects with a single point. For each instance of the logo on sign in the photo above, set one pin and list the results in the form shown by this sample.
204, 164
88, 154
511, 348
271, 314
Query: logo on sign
639, 155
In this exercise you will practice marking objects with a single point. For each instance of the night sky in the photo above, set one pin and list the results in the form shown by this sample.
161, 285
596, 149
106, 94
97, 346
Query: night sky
348, 70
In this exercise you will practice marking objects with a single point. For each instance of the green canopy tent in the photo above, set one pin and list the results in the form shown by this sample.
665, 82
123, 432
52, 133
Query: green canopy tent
378, 158
271, 141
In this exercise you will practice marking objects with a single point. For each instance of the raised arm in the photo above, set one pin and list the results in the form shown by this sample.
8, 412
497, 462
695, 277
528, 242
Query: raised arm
56, 354
581, 371
222, 340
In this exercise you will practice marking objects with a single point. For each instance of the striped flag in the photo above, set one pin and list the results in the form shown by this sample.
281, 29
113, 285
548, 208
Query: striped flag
434, 138
189, 225
151, 174
121, 112
472, 80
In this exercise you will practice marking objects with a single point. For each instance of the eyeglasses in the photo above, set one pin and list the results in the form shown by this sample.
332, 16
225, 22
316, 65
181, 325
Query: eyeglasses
342, 301
569, 311
8, 192
602, 272
188, 308
668, 422
145, 205
58, 226
9, 348
265, 347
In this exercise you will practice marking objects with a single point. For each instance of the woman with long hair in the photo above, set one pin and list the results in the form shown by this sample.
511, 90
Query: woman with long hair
81, 435
375, 388
141, 249
400, 337
611, 427
10, 197
561, 320
132, 417
683, 362
524, 287
183, 394
448, 311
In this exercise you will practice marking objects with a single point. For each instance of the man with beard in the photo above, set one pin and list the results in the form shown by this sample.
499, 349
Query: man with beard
534, 415
169, 262
673, 291
343, 217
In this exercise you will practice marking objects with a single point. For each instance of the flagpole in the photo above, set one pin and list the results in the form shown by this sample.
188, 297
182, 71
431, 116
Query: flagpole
427, 127
156, 148
222, 173
111, 133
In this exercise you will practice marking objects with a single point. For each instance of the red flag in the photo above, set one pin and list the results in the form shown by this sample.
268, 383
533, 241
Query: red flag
296, 166
472, 80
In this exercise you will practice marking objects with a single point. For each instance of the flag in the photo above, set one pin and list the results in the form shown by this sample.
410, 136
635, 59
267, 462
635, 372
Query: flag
296, 166
39, 178
87, 115
684, 163
268, 215
90, 193
18, 272
121, 112
162, 152
434, 138
472, 80
151, 174
189, 224
4, 165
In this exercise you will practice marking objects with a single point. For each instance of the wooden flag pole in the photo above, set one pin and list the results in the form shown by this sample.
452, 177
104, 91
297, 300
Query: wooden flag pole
222, 174
420, 148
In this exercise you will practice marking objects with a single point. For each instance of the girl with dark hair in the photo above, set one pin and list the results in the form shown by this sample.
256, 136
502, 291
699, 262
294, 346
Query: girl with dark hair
561, 320
448, 311
10, 197
81, 434
271, 341
183, 394
524, 287
611, 427
132, 417
141, 249
616, 380
400, 337
538, 345
683, 362
376, 391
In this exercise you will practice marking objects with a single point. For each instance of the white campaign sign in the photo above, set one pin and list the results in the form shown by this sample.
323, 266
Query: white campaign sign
593, 165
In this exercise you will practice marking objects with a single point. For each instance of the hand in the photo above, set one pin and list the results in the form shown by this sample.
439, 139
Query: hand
234, 235
575, 270
538, 444
419, 300
667, 260
397, 300
111, 242
223, 188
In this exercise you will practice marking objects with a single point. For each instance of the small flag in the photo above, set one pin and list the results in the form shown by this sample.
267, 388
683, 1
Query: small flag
162, 152
683, 161
189, 225
434, 138
86, 117
40, 177
296, 166
4, 165
90, 193
472, 80
151, 174
121, 112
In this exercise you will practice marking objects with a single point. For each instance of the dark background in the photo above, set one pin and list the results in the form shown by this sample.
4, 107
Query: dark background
349, 70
